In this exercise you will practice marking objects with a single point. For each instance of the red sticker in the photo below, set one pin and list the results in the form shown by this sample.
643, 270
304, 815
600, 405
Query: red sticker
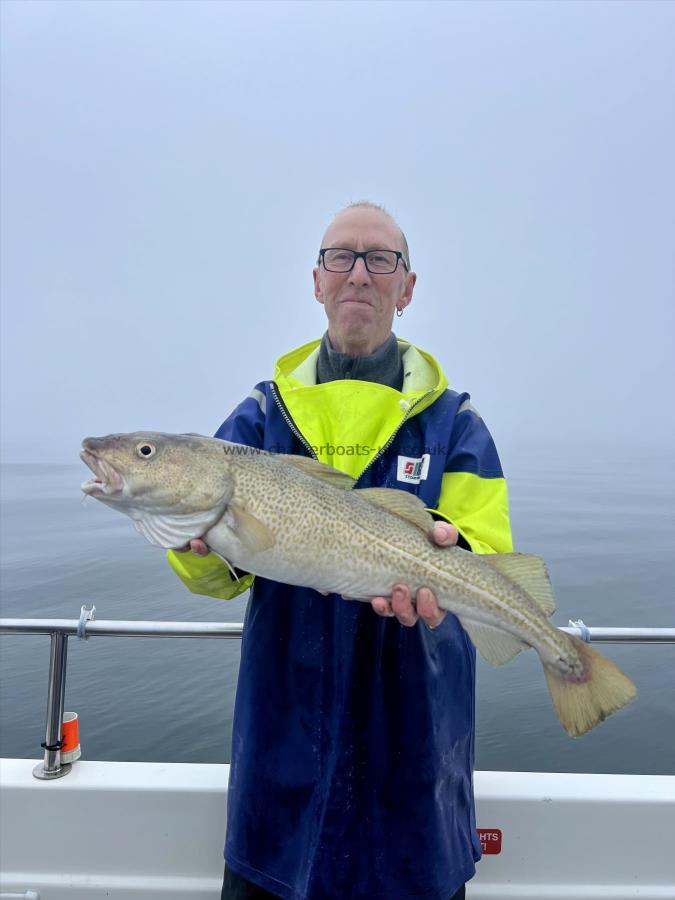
490, 840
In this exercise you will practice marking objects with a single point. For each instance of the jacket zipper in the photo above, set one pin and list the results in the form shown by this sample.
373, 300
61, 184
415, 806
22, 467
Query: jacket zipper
289, 421
294, 428
395, 432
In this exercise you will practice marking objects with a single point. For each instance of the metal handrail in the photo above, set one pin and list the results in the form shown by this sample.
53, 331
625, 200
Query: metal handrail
84, 627
597, 635
140, 628
123, 628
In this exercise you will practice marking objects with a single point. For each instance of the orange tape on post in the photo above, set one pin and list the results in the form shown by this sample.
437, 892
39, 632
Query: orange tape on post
70, 748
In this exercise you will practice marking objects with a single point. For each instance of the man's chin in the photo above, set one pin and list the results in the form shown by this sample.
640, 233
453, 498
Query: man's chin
354, 317
358, 337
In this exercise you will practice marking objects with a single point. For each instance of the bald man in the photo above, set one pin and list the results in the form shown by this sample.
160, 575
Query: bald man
353, 733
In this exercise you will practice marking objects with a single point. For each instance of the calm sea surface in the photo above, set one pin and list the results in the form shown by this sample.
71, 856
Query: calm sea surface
605, 524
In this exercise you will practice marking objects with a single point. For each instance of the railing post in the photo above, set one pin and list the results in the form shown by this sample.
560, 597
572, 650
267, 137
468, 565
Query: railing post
51, 767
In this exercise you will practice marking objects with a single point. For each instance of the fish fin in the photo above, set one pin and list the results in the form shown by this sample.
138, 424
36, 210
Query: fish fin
493, 644
529, 573
401, 503
253, 534
320, 470
171, 531
581, 705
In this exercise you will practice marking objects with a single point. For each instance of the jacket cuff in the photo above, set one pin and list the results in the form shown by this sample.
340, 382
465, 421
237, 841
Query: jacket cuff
207, 575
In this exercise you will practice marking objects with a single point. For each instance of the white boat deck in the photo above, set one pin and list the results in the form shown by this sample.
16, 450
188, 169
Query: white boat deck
146, 831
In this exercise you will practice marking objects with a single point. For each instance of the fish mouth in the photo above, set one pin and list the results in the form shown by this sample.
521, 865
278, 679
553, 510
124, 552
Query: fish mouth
107, 483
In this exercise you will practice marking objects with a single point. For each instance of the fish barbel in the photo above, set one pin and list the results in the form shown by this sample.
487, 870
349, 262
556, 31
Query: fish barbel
295, 520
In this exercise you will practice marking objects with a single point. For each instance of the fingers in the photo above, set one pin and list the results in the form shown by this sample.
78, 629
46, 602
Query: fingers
199, 547
428, 609
401, 605
196, 545
445, 534
382, 606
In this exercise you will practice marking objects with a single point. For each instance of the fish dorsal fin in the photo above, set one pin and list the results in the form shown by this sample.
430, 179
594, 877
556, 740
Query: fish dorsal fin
493, 644
253, 534
529, 573
322, 471
401, 503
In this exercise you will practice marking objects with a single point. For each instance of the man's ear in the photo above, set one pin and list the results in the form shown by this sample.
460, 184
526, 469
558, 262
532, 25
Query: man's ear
318, 293
408, 288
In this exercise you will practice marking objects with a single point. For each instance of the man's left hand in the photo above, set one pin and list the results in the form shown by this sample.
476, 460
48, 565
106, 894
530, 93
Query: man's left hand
425, 607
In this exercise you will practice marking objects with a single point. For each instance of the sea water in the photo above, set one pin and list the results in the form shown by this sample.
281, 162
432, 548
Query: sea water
604, 521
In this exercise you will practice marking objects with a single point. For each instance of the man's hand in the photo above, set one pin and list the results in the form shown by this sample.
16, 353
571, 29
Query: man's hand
197, 546
425, 607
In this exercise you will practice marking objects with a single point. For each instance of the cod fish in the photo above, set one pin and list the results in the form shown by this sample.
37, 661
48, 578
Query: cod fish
295, 520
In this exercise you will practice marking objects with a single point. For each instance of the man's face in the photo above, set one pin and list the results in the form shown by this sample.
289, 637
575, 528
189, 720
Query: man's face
360, 306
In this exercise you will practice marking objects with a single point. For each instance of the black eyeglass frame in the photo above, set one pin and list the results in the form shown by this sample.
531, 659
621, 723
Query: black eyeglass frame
364, 256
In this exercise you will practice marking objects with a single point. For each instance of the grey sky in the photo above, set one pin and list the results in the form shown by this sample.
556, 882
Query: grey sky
168, 170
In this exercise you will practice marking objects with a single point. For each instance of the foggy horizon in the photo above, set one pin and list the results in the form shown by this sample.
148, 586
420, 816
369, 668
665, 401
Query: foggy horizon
168, 169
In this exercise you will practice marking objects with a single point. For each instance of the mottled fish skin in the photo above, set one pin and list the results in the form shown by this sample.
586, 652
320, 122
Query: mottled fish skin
335, 541
294, 520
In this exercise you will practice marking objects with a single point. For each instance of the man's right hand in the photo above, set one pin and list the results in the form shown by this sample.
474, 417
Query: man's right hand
196, 545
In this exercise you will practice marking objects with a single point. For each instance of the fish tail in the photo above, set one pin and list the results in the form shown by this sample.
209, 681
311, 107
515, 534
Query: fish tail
582, 704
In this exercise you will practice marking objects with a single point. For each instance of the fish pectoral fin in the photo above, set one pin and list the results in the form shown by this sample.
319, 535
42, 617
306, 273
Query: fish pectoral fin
401, 503
529, 573
493, 644
254, 534
320, 470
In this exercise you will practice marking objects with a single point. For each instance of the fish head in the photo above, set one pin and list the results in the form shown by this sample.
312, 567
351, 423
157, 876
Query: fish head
174, 486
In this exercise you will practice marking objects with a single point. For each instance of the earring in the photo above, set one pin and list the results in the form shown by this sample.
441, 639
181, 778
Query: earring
399, 312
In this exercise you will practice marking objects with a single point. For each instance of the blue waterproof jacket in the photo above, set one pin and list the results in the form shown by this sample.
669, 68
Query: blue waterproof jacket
353, 737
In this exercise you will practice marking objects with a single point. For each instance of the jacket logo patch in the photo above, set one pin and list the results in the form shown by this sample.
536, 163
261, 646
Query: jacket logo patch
413, 470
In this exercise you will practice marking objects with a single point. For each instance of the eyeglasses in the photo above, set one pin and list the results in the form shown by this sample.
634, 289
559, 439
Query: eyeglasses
378, 262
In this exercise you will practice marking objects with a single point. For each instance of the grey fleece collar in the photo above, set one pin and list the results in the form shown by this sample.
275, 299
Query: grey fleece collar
384, 366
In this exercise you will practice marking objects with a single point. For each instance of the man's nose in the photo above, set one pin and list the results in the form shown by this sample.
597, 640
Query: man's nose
359, 274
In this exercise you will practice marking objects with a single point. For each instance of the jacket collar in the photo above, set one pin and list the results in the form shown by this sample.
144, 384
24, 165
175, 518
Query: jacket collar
421, 373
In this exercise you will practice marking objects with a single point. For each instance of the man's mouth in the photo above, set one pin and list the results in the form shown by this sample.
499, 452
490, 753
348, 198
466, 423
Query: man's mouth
360, 300
107, 482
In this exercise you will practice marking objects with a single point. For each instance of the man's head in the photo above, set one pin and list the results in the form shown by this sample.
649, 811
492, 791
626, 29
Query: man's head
360, 305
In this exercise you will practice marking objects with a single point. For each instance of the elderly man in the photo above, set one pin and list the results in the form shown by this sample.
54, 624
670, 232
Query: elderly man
353, 735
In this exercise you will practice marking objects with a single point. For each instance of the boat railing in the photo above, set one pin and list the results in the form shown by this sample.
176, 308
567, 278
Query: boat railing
87, 626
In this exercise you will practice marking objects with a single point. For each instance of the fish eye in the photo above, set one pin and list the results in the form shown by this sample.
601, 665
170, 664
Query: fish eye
145, 449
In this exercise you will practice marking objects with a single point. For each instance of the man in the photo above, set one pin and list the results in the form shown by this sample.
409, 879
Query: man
352, 745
